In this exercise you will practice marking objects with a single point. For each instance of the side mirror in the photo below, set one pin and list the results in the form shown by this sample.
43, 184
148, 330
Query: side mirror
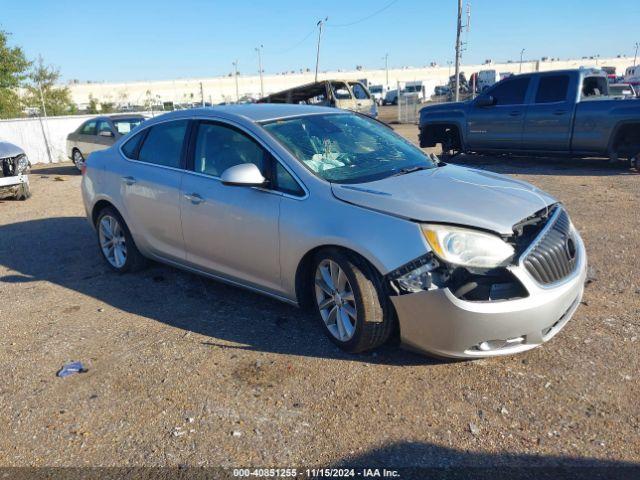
243, 175
105, 133
485, 101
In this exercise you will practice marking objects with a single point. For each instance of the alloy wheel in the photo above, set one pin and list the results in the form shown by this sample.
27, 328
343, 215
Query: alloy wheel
112, 241
335, 300
78, 160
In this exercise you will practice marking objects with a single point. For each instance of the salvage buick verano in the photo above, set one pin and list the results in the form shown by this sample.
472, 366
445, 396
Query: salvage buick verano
332, 209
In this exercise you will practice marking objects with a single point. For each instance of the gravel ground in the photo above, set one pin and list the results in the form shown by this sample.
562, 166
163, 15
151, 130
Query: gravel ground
186, 371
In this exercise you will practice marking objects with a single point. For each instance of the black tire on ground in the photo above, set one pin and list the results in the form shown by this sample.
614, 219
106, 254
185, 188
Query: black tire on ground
135, 260
76, 156
376, 317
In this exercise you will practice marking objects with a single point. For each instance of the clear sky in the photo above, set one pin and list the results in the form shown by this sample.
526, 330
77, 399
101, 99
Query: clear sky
113, 40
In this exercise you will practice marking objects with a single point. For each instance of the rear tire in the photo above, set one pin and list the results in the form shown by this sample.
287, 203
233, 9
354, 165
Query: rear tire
351, 301
78, 159
116, 243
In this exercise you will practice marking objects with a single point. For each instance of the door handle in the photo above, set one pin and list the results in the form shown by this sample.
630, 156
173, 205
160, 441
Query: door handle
194, 198
515, 113
129, 180
559, 112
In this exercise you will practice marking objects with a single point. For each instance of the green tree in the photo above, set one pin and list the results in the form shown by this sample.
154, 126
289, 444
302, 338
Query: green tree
13, 72
93, 104
44, 79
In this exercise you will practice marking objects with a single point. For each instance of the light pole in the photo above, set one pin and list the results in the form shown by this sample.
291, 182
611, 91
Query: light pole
319, 25
521, 54
235, 74
259, 50
458, 31
386, 67
635, 56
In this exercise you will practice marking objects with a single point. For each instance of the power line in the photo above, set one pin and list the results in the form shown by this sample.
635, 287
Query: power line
364, 18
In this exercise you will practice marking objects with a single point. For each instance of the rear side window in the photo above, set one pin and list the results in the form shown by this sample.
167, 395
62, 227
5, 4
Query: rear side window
511, 92
552, 88
130, 148
88, 128
103, 126
163, 144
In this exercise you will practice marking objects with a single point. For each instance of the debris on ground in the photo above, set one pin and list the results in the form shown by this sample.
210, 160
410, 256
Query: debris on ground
71, 369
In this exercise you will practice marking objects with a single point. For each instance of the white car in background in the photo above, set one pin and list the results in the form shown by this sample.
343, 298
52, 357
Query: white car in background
378, 92
487, 78
14, 166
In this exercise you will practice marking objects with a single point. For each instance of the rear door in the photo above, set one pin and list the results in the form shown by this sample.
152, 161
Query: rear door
84, 137
549, 116
150, 188
499, 126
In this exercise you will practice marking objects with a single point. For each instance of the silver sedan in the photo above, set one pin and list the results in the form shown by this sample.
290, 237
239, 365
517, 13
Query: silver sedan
333, 210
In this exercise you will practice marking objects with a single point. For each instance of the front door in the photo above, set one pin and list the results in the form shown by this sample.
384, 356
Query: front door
231, 231
549, 118
499, 126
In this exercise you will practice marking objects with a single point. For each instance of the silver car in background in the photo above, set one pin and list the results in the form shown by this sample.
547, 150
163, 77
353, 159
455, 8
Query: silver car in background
97, 134
332, 209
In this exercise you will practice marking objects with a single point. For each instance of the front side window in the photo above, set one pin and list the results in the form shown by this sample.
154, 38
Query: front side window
284, 182
163, 144
88, 128
359, 92
219, 147
103, 126
340, 91
125, 125
511, 92
552, 88
347, 148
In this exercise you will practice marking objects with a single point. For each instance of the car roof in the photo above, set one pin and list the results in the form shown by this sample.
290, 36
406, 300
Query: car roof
253, 112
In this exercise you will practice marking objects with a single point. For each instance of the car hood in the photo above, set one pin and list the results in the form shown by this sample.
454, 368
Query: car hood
8, 150
450, 194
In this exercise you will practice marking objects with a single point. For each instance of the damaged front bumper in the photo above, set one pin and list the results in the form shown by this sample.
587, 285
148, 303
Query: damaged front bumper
14, 181
437, 322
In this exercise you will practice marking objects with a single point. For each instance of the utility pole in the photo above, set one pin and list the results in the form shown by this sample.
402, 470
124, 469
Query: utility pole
201, 95
521, 54
259, 50
319, 25
635, 56
386, 67
235, 74
458, 31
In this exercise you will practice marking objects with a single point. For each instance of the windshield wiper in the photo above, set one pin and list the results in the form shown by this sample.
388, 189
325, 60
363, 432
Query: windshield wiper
404, 171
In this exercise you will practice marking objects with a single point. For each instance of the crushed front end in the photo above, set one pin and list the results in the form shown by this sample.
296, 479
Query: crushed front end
468, 312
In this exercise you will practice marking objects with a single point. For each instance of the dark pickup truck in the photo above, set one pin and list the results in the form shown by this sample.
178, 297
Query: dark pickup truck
563, 112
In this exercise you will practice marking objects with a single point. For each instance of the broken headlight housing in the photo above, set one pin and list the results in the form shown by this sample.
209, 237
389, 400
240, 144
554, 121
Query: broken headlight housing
21, 164
417, 275
467, 247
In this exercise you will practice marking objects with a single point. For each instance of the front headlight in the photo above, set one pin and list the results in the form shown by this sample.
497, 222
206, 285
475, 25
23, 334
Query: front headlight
22, 164
466, 247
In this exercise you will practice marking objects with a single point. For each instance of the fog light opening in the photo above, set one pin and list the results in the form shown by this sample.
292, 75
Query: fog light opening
492, 345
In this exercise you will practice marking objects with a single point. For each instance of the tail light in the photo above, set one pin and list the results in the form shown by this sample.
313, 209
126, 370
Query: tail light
83, 168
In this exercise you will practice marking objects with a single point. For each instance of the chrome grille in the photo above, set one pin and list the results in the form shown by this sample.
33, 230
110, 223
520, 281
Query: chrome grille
554, 253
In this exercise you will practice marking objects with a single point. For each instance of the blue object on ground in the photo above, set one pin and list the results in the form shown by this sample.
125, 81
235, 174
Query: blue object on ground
71, 369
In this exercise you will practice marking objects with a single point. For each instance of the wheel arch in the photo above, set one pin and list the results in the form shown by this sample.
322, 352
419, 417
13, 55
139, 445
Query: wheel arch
619, 129
432, 132
305, 266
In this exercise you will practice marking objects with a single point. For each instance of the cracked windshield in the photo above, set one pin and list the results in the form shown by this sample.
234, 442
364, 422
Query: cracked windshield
347, 148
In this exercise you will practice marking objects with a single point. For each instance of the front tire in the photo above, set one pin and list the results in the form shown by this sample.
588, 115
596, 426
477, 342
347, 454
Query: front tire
351, 301
116, 243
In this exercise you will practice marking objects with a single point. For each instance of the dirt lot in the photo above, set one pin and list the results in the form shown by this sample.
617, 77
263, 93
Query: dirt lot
186, 371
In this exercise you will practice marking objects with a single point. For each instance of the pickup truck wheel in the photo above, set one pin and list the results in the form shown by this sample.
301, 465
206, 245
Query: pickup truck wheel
351, 302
